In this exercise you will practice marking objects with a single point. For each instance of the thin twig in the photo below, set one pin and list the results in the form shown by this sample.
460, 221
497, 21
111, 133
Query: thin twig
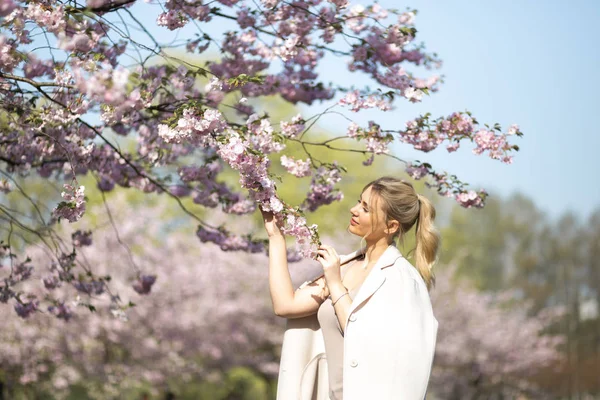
112, 222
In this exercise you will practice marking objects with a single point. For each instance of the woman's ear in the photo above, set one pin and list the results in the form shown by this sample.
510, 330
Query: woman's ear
392, 227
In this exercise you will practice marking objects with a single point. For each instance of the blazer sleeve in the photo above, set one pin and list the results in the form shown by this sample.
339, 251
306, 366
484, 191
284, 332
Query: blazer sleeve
416, 329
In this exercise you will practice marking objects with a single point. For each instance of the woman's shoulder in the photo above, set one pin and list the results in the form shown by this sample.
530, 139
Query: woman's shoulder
404, 272
405, 284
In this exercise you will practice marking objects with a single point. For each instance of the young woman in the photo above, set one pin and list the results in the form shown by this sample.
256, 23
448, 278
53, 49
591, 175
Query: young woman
365, 328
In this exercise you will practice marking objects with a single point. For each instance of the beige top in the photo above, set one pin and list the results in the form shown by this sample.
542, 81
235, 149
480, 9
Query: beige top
333, 337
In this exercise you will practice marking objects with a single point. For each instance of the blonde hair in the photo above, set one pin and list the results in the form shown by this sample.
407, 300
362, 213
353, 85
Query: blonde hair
402, 203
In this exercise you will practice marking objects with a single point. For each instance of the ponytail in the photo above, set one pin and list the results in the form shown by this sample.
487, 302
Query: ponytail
428, 241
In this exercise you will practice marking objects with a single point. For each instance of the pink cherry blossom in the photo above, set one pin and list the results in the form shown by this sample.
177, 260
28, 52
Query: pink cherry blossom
470, 199
24, 310
407, 18
322, 190
416, 172
412, 94
513, 129
82, 238
8, 55
6, 7
172, 19
357, 102
144, 283
292, 128
73, 206
298, 168
339, 3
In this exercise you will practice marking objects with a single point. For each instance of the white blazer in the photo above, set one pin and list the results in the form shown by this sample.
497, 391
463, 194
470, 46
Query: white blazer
389, 341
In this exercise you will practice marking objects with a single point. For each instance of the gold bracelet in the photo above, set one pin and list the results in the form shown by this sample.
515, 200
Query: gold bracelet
338, 299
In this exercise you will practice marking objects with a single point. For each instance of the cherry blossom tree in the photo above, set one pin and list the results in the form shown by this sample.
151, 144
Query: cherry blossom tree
209, 313
212, 312
77, 79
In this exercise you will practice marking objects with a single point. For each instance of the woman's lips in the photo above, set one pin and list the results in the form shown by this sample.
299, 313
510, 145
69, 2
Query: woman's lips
353, 222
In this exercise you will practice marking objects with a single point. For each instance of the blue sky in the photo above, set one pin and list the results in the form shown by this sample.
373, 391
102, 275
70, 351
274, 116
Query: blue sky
536, 64
532, 63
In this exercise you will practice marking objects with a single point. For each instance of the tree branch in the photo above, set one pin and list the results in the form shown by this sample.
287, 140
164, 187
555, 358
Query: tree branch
37, 85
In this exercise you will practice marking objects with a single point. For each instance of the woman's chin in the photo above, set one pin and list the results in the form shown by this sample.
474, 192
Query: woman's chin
352, 229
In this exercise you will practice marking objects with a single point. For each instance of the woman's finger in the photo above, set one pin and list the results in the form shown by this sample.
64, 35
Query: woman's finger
330, 249
325, 259
322, 253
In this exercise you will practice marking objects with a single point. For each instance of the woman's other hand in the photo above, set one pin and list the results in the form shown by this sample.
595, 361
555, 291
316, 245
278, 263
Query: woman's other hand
330, 260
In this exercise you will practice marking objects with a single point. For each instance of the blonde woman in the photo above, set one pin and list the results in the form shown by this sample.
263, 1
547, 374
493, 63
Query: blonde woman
364, 329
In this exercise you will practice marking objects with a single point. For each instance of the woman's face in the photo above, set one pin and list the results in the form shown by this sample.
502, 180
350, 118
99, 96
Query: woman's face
361, 213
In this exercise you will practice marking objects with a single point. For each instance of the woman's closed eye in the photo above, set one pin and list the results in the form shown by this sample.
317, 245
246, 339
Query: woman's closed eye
364, 209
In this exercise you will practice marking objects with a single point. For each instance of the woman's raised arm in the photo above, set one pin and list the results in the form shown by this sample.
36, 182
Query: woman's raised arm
287, 302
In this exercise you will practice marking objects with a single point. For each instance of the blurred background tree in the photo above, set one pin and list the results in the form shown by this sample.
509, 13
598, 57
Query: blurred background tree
207, 331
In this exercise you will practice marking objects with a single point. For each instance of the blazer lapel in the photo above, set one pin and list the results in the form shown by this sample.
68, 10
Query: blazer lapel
376, 277
344, 258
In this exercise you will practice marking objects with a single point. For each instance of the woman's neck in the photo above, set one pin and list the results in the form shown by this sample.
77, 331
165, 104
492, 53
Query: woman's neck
376, 249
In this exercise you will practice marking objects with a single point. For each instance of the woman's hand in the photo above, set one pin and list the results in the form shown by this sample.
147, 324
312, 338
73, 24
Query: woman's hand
271, 224
330, 260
